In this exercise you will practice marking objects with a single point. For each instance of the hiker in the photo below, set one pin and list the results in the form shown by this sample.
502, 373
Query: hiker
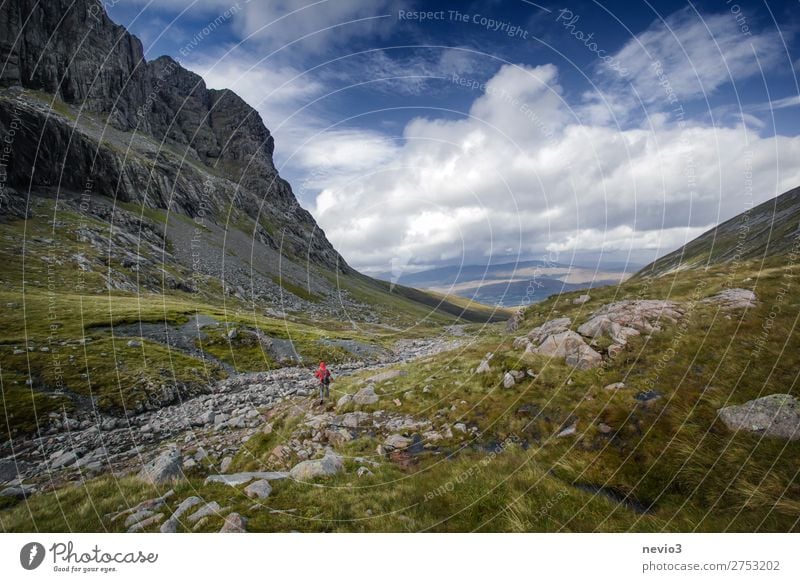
324, 377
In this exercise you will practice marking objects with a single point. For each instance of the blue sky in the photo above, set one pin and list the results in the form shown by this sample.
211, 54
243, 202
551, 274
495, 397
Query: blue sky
432, 133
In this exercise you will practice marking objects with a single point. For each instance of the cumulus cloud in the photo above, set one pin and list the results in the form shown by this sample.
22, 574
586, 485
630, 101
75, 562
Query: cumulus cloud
519, 172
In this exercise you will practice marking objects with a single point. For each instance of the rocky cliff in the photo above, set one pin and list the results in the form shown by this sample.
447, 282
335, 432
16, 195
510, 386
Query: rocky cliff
148, 132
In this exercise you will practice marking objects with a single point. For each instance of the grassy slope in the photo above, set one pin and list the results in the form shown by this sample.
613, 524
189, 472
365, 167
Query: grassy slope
769, 229
46, 311
673, 454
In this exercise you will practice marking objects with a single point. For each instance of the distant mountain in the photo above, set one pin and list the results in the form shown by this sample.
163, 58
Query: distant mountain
769, 229
511, 284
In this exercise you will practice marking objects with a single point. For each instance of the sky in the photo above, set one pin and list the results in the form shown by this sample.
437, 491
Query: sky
423, 134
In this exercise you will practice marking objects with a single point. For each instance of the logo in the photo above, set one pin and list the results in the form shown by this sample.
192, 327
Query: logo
31, 556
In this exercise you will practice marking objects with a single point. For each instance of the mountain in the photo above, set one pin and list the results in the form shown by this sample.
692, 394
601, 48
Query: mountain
145, 148
142, 211
767, 230
511, 284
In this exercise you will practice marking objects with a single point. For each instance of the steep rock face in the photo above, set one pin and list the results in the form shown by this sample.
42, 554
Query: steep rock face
146, 132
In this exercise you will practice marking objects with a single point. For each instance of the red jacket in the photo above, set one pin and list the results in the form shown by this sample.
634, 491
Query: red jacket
322, 373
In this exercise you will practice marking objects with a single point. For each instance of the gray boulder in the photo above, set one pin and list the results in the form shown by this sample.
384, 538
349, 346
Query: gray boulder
570, 346
734, 299
234, 523
166, 467
171, 525
258, 489
344, 400
330, 464
236, 479
207, 509
397, 441
366, 396
776, 415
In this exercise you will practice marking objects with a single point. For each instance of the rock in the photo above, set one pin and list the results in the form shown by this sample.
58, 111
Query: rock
355, 419
568, 431
205, 511
734, 299
138, 516
388, 375
776, 415
226, 464
145, 523
233, 333
236, 479
234, 523
604, 428
515, 320
581, 299
615, 386
17, 491
330, 464
603, 325
204, 418
460, 427
366, 396
189, 464
624, 319
65, 460
344, 400
166, 467
508, 380
258, 489
364, 472
171, 525
552, 327
483, 367
134, 344
570, 346
397, 441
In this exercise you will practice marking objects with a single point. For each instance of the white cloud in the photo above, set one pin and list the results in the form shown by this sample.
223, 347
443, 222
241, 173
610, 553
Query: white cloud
495, 180
697, 53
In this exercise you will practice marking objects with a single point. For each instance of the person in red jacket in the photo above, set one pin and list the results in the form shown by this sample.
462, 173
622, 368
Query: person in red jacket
324, 377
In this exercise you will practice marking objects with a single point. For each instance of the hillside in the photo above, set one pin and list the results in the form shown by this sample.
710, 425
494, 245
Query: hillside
134, 201
769, 229
165, 298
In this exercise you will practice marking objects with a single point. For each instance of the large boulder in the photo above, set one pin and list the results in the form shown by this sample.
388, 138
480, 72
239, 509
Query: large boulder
513, 322
733, 299
234, 523
330, 464
260, 489
640, 315
554, 326
366, 396
397, 442
166, 467
776, 415
570, 346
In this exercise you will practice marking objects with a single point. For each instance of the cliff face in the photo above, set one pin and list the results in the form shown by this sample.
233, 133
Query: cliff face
141, 131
